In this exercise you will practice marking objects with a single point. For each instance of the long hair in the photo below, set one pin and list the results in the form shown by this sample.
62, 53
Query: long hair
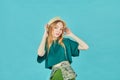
50, 37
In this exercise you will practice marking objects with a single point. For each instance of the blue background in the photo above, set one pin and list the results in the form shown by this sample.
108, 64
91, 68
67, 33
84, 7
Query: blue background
97, 22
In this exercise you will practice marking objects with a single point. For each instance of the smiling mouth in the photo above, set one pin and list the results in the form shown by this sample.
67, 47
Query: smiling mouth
57, 34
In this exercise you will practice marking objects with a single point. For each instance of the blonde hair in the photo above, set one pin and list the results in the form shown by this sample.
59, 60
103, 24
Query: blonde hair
50, 38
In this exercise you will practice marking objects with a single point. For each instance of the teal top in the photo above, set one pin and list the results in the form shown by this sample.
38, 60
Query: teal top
57, 53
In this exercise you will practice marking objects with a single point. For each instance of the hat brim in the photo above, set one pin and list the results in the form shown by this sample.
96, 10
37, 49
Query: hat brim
54, 19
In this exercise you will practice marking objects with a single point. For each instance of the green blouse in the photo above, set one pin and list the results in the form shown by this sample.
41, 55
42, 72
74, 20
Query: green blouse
57, 53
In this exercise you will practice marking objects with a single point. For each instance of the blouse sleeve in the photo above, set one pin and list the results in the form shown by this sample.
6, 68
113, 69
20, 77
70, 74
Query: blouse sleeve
74, 48
40, 59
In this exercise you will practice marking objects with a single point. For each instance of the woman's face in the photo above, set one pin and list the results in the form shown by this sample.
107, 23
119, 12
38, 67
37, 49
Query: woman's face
57, 30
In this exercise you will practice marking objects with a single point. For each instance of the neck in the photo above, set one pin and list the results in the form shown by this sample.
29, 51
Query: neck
54, 38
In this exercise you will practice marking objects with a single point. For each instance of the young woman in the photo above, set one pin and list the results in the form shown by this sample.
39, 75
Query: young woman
57, 51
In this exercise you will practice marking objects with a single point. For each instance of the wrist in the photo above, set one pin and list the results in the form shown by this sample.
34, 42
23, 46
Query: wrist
71, 34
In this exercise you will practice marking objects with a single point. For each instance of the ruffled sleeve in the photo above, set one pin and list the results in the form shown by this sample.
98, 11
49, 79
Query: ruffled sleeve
74, 48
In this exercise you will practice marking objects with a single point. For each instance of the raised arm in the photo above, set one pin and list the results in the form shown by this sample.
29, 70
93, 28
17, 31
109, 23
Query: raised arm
82, 44
41, 49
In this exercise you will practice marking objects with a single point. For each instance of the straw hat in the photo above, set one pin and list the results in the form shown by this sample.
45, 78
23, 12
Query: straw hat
54, 19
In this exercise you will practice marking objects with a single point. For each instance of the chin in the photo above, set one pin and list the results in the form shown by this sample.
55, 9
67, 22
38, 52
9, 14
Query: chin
57, 36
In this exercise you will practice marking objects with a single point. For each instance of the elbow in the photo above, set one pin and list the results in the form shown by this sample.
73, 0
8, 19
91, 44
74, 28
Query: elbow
83, 47
41, 53
86, 48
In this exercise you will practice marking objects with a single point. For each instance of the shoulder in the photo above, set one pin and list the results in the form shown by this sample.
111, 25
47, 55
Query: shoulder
65, 39
70, 41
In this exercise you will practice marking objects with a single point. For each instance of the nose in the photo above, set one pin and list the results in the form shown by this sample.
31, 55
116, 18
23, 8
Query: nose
58, 30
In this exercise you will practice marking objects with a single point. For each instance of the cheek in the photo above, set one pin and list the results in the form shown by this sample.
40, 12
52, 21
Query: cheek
61, 32
53, 32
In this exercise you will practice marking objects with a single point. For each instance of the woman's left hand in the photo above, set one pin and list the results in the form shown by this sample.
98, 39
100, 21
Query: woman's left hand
68, 32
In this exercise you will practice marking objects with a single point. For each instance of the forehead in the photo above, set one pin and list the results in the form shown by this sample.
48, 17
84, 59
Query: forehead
59, 24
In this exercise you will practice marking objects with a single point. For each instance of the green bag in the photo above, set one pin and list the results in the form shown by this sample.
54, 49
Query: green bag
67, 71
